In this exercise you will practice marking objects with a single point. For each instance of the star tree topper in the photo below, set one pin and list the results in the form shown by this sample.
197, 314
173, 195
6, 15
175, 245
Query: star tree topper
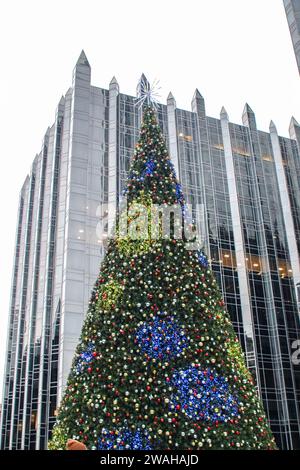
147, 94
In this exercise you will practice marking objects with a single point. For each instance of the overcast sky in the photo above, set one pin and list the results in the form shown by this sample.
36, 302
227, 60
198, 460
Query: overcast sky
234, 51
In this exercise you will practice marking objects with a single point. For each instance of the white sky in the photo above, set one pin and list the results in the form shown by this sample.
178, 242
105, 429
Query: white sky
234, 51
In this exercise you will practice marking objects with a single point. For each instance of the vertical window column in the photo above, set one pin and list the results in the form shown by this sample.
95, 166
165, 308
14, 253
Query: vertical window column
43, 393
286, 206
27, 408
14, 429
172, 127
8, 373
251, 355
113, 153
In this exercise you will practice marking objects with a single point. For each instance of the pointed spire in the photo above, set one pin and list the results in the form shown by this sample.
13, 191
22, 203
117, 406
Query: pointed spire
69, 92
197, 94
82, 72
198, 104
61, 101
248, 109
113, 81
224, 114
294, 122
143, 84
171, 100
248, 117
292, 128
272, 127
82, 59
60, 107
24, 186
113, 84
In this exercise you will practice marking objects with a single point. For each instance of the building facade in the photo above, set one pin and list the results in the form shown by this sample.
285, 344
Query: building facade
249, 184
292, 9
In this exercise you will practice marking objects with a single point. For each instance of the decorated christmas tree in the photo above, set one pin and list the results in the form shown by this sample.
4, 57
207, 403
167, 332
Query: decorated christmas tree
158, 364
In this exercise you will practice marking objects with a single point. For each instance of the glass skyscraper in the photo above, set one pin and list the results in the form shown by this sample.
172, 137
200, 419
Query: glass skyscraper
292, 8
249, 184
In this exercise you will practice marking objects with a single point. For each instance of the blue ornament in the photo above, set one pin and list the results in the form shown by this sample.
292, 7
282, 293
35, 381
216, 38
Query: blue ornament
124, 439
161, 338
150, 167
148, 171
85, 357
203, 395
202, 259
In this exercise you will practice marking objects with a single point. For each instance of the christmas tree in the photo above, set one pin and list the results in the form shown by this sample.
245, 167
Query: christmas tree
158, 365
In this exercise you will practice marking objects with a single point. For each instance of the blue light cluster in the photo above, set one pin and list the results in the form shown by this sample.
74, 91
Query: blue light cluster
161, 338
150, 167
179, 193
148, 171
202, 259
124, 439
203, 395
85, 357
